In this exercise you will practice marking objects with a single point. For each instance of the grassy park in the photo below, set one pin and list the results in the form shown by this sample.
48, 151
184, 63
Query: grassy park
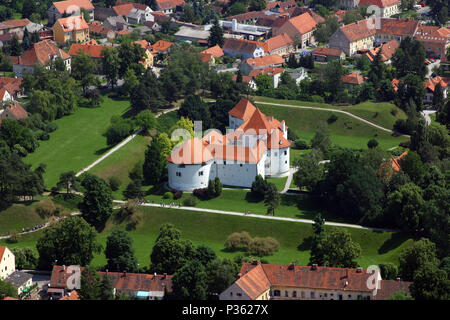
78, 141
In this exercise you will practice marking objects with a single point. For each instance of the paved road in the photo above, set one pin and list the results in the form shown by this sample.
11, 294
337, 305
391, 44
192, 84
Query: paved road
426, 115
120, 145
327, 109
289, 180
233, 213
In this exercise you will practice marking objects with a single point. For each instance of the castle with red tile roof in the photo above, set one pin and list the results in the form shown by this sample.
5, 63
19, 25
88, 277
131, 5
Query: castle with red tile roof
255, 144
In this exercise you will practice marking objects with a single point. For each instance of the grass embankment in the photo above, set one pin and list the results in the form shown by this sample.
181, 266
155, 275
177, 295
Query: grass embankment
78, 141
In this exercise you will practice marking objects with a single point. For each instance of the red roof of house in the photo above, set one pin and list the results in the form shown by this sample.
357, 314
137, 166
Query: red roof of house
353, 78
17, 110
162, 45
41, 52
389, 287
193, 151
254, 283
17, 22
168, 4
2, 251
123, 9
73, 295
387, 51
280, 41
269, 60
92, 50
144, 44
397, 161
327, 52
303, 23
271, 71
216, 51
398, 27
432, 83
73, 23
258, 121
71, 6
379, 3
433, 34
357, 30
12, 85
241, 45
9, 298
206, 57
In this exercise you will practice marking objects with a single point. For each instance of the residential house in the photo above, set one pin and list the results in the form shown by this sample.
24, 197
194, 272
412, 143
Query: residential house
250, 64
293, 282
162, 46
16, 27
215, 51
102, 13
137, 16
43, 52
353, 79
273, 72
436, 40
386, 8
430, 86
116, 23
256, 144
22, 281
249, 80
298, 74
148, 59
245, 48
322, 54
192, 34
7, 262
92, 49
13, 111
300, 29
395, 29
281, 44
5, 96
62, 9
71, 296
12, 85
72, 28
296, 11
393, 165
137, 285
387, 51
169, 6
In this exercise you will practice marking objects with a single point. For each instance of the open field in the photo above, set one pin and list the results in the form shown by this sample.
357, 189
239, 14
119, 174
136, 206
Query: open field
19, 216
78, 141
345, 131
380, 113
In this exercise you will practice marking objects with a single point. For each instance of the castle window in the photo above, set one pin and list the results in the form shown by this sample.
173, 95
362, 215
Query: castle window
294, 294
286, 293
200, 173
240, 165
276, 293
178, 174
285, 161
224, 163
313, 294
285, 152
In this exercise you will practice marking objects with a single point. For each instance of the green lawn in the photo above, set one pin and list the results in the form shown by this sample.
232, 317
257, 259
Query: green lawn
78, 141
19, 216
381, 113
279, 182
345, 131
213, 229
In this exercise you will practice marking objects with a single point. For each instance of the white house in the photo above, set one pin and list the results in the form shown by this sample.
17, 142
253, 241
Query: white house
7, 262
256, 144
137, 16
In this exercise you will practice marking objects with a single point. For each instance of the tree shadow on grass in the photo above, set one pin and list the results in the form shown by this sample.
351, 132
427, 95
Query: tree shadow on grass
306, 244
101, 151
251, 197
230, 250
395, 241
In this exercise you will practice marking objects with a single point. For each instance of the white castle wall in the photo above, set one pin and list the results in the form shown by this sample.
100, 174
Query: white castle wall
193, 176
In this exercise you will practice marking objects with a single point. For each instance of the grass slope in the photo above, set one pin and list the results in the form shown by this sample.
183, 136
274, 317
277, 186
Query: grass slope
78, 141
19, 216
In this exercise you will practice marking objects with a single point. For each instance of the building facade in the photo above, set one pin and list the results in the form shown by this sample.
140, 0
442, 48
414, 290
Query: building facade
7, 262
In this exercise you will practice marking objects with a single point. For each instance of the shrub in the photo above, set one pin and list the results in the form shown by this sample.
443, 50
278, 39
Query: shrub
263, 246
168, 195
388, 271
114, 183
47, 208
190, 202
394, 112
316, 98
332, 118
238, 240
177, 194
14, 237
401, 126
301, 144
200, 193
44, 136
372, 144
51, 127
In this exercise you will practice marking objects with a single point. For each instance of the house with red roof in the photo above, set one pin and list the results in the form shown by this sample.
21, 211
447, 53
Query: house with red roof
13, 111
430, 86
353, 79
273, 60
322, 54
245, 48
300, 29
68, 8
387, 51
7, 262
436, 40
73, 28
256, 144
43, 52
63, 283
387, 7
215, 51
258, 281
162, 46
281, 44
92, 49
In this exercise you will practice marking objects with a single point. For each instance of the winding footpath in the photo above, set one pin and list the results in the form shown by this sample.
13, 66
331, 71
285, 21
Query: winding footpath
120, 145
327, 109
259, 216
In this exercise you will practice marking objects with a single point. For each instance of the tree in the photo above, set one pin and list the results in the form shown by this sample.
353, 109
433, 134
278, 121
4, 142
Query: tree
25, 258
412, 165
338, 250
155, 163
438, 96
372, 143
83, 68
146, 120
430, 283
377, 70
68, 180
71, 242
220, 275
111, 65
216, 35
7, 289
170, 252
388, 271
321, 139
411, 88
15, 48
134, 190
333, 72
400, 295
96, 206
409, 59
205, 254
309, 171
119, 252
271, 198
189, 282
194, 108
416, 256
118, 130
106, 289
90, 284
130, 82
406, 207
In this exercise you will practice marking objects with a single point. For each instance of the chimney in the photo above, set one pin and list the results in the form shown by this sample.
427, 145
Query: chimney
314, 266
107, 271
239, 275
164, 276
398, 279
291, 266
358, 270
255, 262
